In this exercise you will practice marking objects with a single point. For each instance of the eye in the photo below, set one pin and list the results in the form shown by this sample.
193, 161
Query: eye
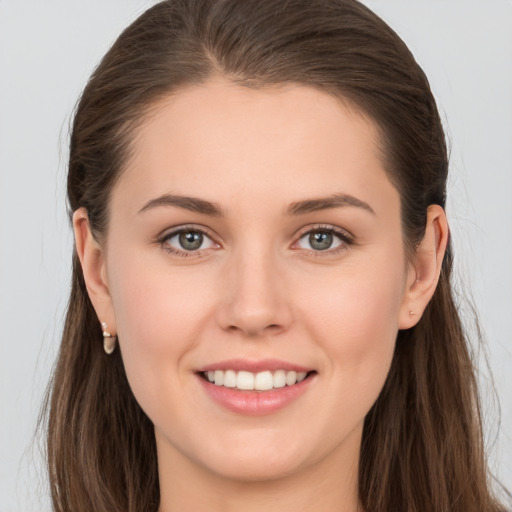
325, 239
187, 240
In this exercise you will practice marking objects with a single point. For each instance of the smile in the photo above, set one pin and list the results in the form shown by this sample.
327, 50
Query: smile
255, 388
248, 381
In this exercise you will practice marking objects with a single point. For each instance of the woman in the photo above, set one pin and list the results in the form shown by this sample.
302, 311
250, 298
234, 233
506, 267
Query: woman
261, 313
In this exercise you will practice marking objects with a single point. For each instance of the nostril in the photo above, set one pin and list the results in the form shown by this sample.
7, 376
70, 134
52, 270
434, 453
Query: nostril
254, 331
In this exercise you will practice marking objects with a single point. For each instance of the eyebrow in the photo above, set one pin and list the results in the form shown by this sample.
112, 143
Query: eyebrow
325, 203
192, 204
197, 205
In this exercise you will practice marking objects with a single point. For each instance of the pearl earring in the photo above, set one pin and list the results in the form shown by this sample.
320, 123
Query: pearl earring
109, 341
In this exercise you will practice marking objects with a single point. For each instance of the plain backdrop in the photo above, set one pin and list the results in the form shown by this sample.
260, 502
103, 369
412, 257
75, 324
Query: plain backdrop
47, 51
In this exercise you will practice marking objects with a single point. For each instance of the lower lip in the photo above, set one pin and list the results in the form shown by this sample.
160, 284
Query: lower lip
255, 403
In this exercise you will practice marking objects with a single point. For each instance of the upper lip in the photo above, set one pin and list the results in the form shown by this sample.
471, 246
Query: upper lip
254, 366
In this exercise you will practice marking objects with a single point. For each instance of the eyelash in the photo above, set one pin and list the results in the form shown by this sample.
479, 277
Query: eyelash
346, 240
183, 229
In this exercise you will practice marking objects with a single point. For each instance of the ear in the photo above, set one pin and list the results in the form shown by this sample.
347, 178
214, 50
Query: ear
92, 259
424, 271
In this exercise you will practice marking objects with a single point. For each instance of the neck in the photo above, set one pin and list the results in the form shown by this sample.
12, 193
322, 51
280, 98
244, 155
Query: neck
331, 484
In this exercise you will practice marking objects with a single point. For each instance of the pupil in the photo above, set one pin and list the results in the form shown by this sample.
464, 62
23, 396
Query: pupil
191, 240
321, 240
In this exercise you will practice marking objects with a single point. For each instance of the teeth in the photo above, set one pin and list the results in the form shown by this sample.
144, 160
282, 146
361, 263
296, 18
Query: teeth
261, 381
245, 380
291, 378
230, 379
280, 379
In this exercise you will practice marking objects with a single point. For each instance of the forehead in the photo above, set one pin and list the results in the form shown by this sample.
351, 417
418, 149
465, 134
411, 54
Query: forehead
218, 138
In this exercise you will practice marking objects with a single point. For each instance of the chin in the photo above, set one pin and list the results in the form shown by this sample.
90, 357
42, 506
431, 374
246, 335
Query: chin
260, 460
255, 469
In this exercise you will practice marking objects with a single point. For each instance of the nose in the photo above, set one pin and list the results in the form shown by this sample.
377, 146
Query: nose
255, 300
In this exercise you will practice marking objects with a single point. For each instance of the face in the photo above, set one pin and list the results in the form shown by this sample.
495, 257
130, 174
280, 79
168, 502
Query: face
255, 241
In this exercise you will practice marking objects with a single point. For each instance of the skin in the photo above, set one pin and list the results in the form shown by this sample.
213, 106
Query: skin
257, 289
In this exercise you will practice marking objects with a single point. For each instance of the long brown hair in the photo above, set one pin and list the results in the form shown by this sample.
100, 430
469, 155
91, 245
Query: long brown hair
422, 445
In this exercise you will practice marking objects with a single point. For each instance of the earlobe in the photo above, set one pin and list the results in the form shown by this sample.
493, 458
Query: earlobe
425, 270
92, 260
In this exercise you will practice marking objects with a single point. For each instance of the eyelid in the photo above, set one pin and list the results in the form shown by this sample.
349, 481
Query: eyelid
176, 230
345, 236
343, 233
166, 233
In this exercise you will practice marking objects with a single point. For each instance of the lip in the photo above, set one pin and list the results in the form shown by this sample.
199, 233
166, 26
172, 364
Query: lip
254, 366
255, 403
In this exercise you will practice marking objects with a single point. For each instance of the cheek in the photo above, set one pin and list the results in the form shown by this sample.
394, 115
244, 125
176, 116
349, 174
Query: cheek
159, 317
154, 307
356, 323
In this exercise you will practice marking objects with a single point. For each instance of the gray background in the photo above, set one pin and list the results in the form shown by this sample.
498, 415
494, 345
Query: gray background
47, 50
